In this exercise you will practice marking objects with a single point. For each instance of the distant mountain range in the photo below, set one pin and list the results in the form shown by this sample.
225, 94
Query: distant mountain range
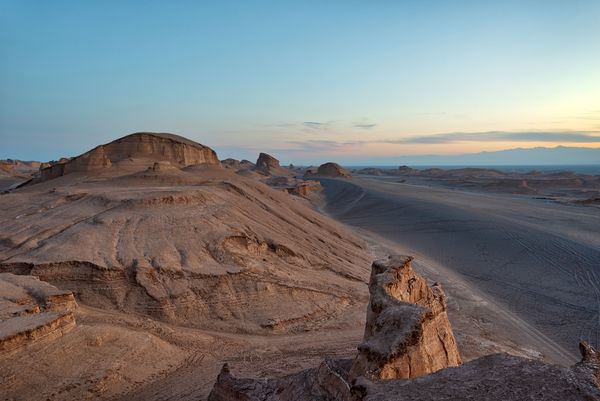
560, 155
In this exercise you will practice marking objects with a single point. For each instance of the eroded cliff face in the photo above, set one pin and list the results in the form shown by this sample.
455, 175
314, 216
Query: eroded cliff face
32, 310
143, 145
199, 246
407, 333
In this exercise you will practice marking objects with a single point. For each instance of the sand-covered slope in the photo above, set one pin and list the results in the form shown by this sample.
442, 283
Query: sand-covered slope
406, 323
199, 246
177, 265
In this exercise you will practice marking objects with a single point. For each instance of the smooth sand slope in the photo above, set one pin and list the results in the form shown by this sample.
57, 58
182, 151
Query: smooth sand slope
539, 261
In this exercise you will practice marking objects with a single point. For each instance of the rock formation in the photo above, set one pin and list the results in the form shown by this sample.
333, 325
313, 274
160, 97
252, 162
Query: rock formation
409, 353
31, 309
199, 246
306, 188
237, 164
15, 172
407, 333
143, 145
494, 377
266, 163
327, 382
330, 170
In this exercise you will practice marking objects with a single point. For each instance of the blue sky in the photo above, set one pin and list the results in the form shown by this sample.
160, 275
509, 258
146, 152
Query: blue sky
307, 81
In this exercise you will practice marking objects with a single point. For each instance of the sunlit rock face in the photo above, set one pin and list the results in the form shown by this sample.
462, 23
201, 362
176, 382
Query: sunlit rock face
407, 333
140, 146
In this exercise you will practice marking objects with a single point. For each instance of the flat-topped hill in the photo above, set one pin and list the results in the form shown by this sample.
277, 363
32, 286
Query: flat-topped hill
138, 148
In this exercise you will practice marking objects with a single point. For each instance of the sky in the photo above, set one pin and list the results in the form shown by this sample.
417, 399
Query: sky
307, 81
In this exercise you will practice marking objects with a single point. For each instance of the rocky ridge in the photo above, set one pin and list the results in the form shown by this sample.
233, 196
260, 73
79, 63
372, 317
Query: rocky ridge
402, 359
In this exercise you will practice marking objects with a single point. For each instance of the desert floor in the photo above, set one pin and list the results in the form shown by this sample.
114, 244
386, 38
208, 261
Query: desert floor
520, 271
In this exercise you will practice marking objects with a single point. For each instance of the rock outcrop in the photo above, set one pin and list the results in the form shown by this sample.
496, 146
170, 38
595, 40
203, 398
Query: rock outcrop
407, 333
306, 188
199, 246
327, 382
266, 163
237, 164
493, 377
330, 170
31, 309
409, 353
171, 148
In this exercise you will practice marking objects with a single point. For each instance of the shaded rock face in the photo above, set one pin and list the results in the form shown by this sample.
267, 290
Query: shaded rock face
333, 170
493, 377
266, 163
404, 317
157, 146
407, 333
31, 309
328, 382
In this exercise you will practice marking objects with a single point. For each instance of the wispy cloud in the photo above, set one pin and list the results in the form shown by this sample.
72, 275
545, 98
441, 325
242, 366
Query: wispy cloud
501, 136
455, 137
316, 124
315, 145
364, 125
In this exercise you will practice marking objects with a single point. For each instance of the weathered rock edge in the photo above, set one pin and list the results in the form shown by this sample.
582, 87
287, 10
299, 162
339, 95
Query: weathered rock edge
403, 318
171, 148
407, 333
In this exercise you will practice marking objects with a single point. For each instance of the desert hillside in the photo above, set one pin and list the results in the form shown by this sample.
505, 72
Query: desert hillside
150, 232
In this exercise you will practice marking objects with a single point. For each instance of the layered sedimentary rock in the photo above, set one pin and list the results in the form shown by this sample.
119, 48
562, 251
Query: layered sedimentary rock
143, 145
198, 246
407, 333
306, 188
31, 309
294, 186
404, 316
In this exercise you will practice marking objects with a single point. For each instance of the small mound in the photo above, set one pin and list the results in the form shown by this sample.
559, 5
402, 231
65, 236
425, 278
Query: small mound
331, 169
